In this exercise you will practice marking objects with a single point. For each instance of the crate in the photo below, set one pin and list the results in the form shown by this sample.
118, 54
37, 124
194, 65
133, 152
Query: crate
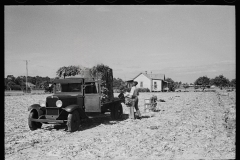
149, 105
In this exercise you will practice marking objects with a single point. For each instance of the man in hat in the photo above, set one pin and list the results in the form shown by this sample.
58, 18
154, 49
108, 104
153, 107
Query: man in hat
134, 95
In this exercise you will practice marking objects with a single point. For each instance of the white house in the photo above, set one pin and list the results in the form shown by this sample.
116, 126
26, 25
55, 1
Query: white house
154, 82
29, 85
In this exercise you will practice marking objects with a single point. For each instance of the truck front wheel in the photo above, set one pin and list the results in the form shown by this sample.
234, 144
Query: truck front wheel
73, 121
33, 125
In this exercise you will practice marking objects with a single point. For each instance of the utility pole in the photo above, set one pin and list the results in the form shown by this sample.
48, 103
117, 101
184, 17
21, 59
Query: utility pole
27, 74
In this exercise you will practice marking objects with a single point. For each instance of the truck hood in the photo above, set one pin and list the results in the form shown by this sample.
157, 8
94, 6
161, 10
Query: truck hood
66, 100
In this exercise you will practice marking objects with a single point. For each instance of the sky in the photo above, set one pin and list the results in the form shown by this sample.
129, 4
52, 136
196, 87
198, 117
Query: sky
184, 42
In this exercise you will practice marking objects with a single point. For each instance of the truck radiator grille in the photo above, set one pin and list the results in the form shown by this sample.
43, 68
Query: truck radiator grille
52, 111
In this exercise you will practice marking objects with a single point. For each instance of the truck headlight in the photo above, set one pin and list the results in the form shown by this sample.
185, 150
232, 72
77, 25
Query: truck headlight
42, 103
59, 103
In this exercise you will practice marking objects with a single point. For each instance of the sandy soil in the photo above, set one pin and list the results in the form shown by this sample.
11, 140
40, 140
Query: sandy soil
189, 125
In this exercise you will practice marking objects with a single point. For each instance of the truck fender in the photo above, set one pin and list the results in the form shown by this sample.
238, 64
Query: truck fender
73, 107
40, 110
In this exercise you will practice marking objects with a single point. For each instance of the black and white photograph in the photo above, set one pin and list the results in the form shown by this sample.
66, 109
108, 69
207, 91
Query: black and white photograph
119, 82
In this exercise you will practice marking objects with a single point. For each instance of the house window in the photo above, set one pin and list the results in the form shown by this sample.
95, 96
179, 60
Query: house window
155, 85
141, 84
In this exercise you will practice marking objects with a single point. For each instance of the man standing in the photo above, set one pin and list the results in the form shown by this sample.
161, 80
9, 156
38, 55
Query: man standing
134, 96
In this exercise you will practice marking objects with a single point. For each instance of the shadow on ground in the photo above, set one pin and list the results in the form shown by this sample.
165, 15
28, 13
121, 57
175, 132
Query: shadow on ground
91, 122
146, 116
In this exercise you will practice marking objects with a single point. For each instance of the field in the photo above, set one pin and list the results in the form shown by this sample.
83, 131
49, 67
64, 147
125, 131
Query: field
189, 125
18, 93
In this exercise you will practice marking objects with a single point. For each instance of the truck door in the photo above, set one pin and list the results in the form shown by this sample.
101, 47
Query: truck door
92, 99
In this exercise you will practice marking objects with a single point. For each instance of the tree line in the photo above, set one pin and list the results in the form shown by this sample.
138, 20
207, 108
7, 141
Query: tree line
19, 83
203, 82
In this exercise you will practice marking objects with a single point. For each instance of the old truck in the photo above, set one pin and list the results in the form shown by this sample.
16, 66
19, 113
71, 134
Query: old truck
75, 99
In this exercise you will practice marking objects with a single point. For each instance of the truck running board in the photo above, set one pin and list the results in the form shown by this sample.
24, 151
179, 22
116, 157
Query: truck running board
47, 120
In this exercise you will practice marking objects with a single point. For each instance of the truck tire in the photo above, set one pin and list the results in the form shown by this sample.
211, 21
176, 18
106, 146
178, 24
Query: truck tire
112, 112
117, 111
33, 125
73, 121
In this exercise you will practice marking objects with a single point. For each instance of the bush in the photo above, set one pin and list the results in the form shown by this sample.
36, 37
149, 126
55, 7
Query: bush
16, 87
143, 90
24, 88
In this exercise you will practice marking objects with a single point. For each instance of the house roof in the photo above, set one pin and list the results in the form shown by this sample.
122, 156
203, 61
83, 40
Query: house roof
152, 76
166, 81
131, 80
30, 84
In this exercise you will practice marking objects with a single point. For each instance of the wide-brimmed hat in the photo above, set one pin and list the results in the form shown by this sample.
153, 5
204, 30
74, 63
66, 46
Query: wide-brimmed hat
135, 82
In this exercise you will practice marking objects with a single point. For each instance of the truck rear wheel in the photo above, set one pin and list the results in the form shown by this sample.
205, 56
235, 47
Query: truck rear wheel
73, 121
117, 111
33, 125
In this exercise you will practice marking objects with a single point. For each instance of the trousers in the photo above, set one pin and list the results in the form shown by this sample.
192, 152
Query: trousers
135, 103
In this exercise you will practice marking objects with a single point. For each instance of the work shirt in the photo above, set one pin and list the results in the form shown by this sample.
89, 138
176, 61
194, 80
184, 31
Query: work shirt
134, 92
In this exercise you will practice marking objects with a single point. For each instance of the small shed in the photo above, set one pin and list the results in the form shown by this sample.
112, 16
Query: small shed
30, 85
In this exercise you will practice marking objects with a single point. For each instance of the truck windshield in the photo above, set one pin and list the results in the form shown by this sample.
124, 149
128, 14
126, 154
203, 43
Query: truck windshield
69, 87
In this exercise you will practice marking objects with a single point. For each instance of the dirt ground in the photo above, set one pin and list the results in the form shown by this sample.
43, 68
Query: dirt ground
188, 125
